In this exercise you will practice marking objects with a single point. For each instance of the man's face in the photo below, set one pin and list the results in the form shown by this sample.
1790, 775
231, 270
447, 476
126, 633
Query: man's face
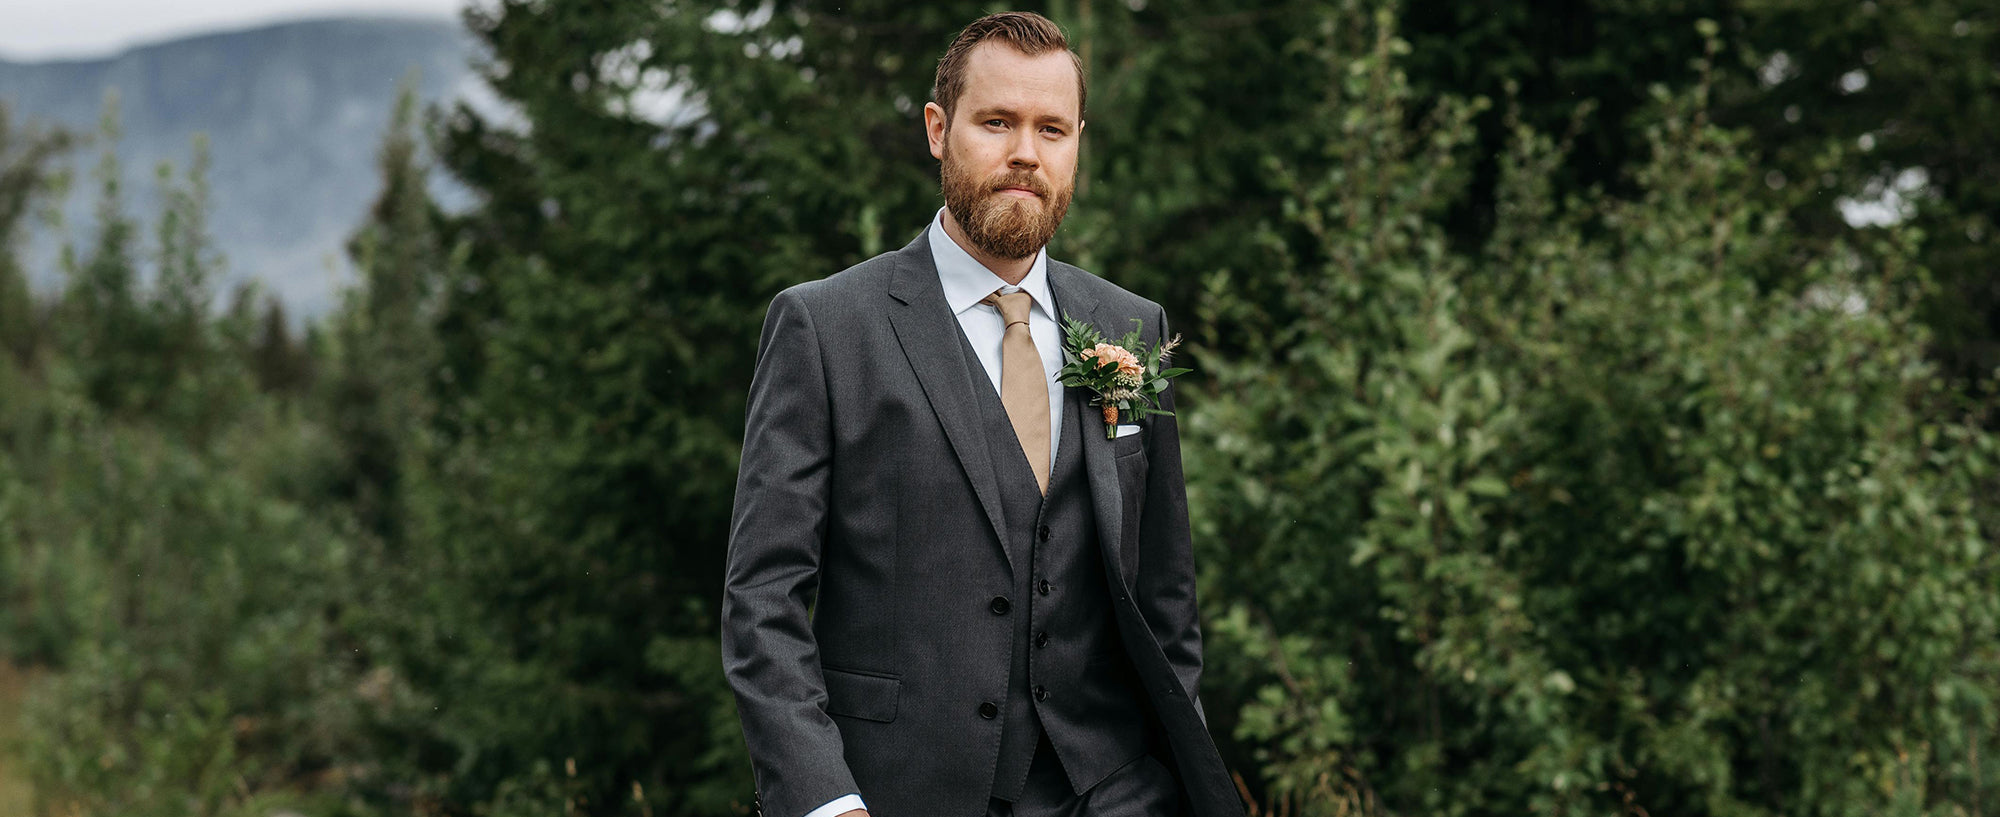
1009, 148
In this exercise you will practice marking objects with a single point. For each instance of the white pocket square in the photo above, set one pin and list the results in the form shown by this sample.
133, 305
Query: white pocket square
1127, 431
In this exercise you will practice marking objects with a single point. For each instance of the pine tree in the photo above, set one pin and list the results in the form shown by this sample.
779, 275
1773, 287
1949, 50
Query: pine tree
102, 328
377, 395
186, 264
27, 174
281, 365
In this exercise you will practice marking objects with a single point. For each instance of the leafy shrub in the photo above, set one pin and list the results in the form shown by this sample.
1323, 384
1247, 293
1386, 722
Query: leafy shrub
1587, 521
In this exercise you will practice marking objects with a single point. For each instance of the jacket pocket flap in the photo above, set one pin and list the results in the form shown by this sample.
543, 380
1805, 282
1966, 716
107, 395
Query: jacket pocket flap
868, 697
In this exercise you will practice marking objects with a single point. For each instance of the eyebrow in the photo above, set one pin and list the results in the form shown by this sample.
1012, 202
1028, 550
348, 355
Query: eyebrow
991, 112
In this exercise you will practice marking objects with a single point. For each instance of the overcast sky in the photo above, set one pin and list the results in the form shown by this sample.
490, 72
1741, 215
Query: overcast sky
55, 29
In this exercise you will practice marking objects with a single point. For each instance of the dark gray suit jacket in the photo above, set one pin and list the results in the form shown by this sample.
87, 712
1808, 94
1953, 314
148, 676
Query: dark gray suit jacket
865, 552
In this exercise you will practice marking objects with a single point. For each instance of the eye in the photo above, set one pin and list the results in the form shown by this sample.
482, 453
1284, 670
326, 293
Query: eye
995, 123
1052, 130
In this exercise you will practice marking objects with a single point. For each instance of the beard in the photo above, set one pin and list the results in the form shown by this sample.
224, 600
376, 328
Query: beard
999, 224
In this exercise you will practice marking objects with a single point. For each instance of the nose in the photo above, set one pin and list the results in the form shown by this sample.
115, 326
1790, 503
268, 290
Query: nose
1021, 150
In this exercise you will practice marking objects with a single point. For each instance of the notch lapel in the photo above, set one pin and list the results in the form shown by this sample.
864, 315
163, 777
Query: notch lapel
934, 345
1107, 497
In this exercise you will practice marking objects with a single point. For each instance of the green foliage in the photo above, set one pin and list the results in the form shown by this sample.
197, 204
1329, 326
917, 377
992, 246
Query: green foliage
205, 659
1589, 521
194, 608
1904, 90
595, 370
100, 326
376, 394
26, 176
1892, 103
1545, 455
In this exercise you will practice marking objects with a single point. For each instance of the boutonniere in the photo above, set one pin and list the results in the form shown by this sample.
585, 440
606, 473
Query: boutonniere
1126, 376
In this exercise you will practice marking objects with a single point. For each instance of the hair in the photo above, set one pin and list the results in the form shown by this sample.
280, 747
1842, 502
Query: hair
1028, 32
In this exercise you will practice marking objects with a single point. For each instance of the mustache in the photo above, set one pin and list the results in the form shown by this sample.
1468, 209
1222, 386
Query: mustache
1022, 179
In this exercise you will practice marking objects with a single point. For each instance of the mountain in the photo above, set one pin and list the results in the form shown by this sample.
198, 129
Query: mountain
293, 114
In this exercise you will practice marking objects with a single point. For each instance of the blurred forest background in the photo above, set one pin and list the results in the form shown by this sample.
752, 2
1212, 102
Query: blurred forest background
1593, 410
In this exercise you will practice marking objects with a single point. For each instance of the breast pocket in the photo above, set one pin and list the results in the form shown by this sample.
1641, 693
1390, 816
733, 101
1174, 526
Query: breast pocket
868, 696
1130, 454
1128, 445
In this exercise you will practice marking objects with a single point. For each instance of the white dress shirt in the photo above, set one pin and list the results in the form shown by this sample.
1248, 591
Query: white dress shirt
967, 282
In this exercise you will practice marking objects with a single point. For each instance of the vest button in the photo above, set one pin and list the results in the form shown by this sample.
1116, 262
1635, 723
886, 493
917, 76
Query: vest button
1045, 587
1001, 605
1041, 693
1043, 532
989, 710
1042, 639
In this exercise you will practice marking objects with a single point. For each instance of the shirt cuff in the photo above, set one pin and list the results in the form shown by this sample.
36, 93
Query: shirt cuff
840, 805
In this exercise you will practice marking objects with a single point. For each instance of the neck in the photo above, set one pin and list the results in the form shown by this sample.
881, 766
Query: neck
1011, 270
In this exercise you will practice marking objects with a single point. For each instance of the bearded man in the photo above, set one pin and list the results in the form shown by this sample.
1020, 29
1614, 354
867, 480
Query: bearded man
951, 591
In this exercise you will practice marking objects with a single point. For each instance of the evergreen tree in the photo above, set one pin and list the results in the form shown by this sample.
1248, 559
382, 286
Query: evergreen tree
102, 328
193, 614
186, 266
280, 364
377, 397
27, 174
187, 261
188, 380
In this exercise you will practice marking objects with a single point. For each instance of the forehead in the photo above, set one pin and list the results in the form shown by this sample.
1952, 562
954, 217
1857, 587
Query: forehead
999, 76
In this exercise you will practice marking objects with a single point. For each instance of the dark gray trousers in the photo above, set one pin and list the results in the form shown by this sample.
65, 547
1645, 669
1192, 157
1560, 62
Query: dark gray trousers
1142, 788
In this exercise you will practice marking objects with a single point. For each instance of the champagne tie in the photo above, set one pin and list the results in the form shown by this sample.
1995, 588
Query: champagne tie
1024, 387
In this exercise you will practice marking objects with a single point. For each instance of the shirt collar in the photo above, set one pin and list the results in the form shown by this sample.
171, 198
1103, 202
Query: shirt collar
966, 281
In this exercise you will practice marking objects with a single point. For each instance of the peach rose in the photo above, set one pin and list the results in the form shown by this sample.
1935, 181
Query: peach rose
1128, 364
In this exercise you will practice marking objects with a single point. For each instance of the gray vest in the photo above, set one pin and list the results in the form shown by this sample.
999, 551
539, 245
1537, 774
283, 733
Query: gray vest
1070, 676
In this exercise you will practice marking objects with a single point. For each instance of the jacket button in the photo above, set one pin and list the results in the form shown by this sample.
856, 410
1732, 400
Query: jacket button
1001, 605
989, 710
1041, 693
1042, 639
1045, 587
1043, 532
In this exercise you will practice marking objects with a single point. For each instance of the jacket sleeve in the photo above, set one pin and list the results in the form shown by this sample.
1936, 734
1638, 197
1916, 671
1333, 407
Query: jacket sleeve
1166, 576
771, 576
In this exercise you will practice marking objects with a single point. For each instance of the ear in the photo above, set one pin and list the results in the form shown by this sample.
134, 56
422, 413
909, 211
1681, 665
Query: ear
934, 125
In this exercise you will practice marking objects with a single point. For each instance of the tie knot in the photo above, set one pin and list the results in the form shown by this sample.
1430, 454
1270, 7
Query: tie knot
1013, 306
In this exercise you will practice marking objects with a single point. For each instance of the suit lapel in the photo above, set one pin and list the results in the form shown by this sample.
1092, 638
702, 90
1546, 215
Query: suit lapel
934, 345
1105, 493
